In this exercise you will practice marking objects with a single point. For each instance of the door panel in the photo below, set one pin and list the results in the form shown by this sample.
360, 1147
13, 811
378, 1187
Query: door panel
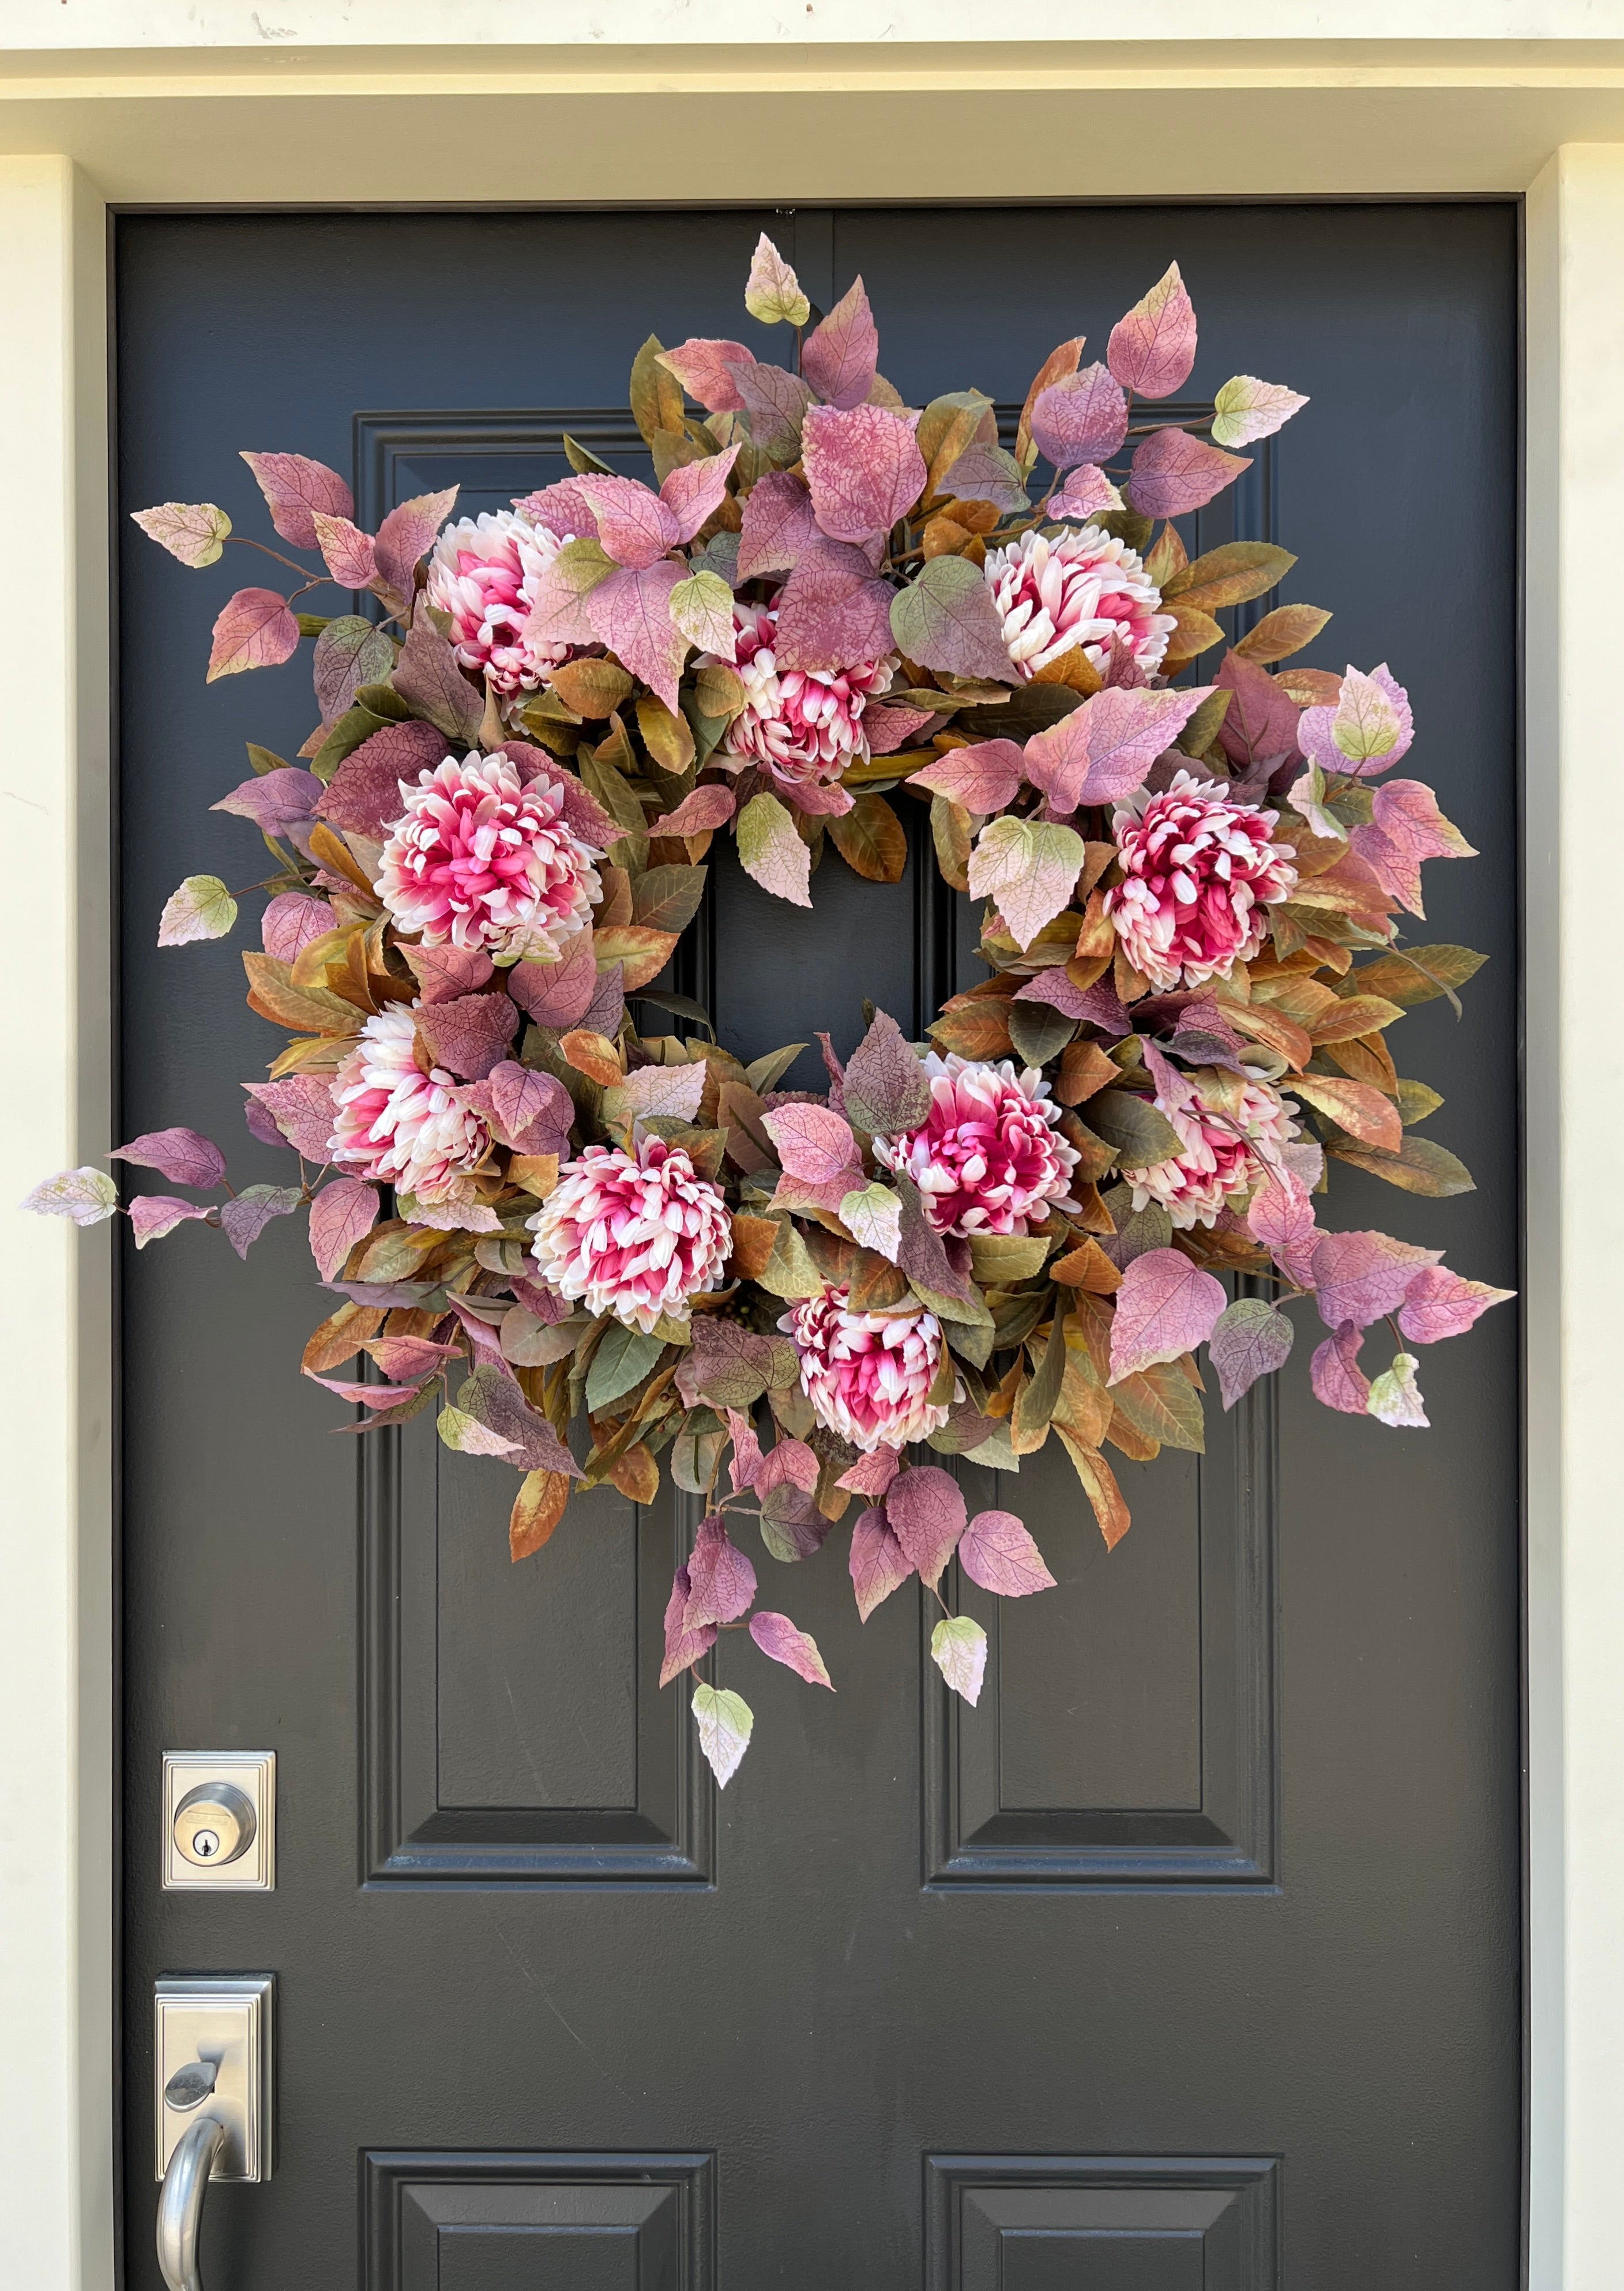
1191, 1956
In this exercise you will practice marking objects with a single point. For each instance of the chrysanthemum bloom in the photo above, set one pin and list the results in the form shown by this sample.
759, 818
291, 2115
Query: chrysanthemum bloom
868, 1375
1198, 873
400, 1125
484, 573
633, 1234
987, 1158
482, 860
1226, 1145
1054, 592
800, 725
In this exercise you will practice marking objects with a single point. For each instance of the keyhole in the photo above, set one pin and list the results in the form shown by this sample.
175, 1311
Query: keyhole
205, 1844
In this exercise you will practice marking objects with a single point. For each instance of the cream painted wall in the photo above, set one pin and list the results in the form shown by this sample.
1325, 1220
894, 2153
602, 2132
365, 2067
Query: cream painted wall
208, 103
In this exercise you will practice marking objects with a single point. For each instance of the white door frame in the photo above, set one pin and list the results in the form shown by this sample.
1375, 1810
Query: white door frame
247, 125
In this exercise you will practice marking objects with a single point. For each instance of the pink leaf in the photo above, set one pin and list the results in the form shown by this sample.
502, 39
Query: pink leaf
778, 524
528, 1103
983, 777
153, 1215
692, 492
888, 729
302, 1107
1166, 1306
1281, 1215
772, 291
631, 612
634, 525
1080, 418
363, 795
791, 1464
445, 973
343, 1213
246, 1219
724, 1582
295, 488
1173, 472
1367, 730
778, 403
1337, 1379
1059, 993
274, 800
872, 1474
1087, 491
369, 1395
256, 630
986, 472
996, 1552
406, 532
1153, 348
701, 365
813, 1143
833, 612
349, 652
1252, 1339
704, 808
429, 678
557, 995
927, 1515
684, 1643
778, 1635
878, 1563
290, 922
1359, 1276
1439, 1304
865, 468
817, 798
1406, 828
744, 1465
346, 550
467, 1037
1102, 750
1260, 723
563, 509
410, 1359
946, 619
840, 356
180, 1155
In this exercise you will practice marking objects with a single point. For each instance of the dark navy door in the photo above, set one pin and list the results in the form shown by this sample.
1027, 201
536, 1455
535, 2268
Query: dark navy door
1190, 1958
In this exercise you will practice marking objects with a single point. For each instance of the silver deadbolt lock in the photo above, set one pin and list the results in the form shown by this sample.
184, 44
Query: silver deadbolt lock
220, 1820
214, 1822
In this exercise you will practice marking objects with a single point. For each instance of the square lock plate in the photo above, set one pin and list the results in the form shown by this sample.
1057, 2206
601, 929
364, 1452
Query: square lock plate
220, 1821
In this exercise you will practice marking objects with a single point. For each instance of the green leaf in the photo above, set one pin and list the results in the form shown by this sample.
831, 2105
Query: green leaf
946, 619
1419, 1167
655, 394
999, 1259
724, 1720
959, 1650
1416, 1101
201, 908
1036, 1401
1409, 975
702, 608
265, 760
1160, 1403
873, 1215
1140, 1135
772, 852
667, 898
1038, 1032
1233, 574
583, 463
789, 1272
623, 1358
469, 1436
762, 1072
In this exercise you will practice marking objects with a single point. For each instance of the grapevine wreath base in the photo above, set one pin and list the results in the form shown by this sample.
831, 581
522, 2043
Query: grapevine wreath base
546, 1222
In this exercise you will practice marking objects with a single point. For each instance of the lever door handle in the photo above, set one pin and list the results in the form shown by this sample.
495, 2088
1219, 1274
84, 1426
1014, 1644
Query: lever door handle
180, 2202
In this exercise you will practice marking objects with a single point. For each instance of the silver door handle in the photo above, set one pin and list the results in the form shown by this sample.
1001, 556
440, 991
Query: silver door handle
180, 2203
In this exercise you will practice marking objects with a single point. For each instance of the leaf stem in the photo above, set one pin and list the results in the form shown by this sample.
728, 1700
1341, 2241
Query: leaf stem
242, 541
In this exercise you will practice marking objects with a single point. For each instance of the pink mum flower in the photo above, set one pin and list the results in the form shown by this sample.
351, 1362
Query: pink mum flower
868, 1375
1055, 591
633, 1234
987, 1158
1198, 872
400, 1125
1230, 1131
483, 860
802, 726
484, 573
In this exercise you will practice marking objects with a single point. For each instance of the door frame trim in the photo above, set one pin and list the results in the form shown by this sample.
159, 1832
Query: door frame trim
57, 1620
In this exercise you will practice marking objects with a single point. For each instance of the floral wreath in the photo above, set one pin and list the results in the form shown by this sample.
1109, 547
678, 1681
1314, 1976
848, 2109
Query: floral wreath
497, 832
